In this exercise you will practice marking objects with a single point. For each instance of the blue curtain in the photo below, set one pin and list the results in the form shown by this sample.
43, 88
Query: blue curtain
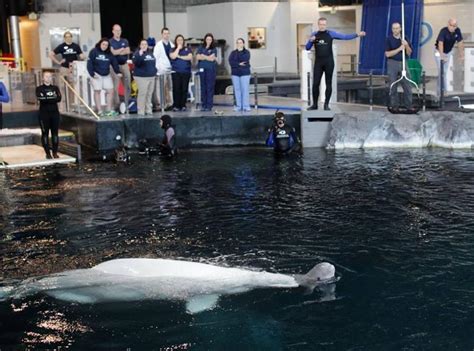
377, 19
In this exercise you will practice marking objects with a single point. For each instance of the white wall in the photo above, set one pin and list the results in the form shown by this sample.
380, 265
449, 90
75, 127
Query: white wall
176, 22
89, 37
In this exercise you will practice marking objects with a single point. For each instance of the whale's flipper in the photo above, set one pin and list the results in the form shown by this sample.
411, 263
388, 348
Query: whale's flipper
201, 303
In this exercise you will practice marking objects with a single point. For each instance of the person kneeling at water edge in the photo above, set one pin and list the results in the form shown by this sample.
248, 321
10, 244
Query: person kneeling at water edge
49, 96
282, 137
168, 145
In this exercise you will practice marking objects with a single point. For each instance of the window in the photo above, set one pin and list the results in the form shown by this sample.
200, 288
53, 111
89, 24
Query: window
257, 38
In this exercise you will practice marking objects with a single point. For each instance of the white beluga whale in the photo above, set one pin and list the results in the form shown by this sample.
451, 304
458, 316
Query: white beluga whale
134, 279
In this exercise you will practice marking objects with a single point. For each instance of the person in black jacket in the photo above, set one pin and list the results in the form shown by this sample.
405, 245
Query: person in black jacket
49, 96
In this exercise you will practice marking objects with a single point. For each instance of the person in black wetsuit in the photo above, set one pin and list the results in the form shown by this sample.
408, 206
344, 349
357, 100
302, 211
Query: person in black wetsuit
49, 96
282, 137
324, 61
168, 145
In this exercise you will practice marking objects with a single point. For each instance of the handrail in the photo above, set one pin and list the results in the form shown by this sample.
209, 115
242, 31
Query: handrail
66, 83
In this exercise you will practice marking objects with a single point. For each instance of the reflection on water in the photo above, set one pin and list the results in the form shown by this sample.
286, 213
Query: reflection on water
397, 225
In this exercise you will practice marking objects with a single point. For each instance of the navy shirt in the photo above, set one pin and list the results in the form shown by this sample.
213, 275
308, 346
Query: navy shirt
207, 65
145, 65
117, 45
167, 49
68, 52
235, 58
179, 65
448, 38
392, 43
100, 61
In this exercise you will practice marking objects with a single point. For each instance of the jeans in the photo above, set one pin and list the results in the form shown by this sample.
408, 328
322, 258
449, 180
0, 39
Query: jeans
445, 70
241, 91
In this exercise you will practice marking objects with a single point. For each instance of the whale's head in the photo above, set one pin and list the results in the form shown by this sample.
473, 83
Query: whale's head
322, 273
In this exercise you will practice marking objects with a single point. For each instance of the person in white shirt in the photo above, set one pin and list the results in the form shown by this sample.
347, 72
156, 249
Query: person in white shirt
163, 65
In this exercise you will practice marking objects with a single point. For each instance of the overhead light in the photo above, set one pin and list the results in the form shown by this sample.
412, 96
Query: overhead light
333, 10
33, 16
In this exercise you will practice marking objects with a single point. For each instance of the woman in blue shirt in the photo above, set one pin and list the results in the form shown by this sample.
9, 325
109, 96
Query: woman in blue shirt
207, 57
144, 73
98, 65
239, 61
181, 65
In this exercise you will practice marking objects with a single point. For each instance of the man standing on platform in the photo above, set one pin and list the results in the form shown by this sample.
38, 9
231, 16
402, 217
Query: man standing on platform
394, 46
324, 60
163, 65
447, 37
121, 50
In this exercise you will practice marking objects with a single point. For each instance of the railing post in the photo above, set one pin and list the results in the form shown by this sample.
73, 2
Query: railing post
441, 86
162, 93
255, 83
275, 69
66, 98
308, 86
81, 90
371, 90
89, 97
423, 82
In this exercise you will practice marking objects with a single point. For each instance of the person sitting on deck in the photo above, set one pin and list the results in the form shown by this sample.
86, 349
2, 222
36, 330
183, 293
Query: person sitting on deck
282, 137
168, 145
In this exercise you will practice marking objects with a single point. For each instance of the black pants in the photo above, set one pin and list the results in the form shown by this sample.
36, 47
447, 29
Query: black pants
326, 66
49, 121
180, 88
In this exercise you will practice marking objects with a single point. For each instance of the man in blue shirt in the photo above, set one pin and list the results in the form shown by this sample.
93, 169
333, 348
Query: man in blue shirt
121, 50
447, 37
394, 46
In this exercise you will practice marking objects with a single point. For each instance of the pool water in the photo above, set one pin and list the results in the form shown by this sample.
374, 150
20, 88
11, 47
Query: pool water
397, 224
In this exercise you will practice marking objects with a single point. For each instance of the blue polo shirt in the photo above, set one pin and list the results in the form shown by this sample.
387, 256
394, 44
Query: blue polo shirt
448, 39
392, 43
180, 65
145, 65
207, 65
119, 44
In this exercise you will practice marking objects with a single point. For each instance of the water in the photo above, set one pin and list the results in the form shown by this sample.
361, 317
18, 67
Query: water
398, 225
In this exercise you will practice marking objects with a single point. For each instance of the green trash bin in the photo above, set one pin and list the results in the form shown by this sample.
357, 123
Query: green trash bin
414, 69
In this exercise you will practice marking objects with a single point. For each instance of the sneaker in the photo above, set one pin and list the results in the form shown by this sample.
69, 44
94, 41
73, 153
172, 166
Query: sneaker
247, 109
175, 109
237, 109
183, 109
101, 114
313, 107
55, 155
169, 108
48, 156
111, 113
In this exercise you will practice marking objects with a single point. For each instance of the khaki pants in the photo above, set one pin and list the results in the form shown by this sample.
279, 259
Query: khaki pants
126, 80
145, 85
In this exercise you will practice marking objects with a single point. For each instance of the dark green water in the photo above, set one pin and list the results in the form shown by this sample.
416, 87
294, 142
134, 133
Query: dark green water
398, 226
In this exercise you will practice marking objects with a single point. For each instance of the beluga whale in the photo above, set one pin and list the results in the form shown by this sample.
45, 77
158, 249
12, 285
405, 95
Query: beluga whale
199, 285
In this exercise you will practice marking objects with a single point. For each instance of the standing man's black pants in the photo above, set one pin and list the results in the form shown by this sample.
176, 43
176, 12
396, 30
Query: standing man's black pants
323, 65
49, 121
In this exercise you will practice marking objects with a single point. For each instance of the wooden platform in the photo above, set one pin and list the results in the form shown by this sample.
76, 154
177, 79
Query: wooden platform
28, 156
